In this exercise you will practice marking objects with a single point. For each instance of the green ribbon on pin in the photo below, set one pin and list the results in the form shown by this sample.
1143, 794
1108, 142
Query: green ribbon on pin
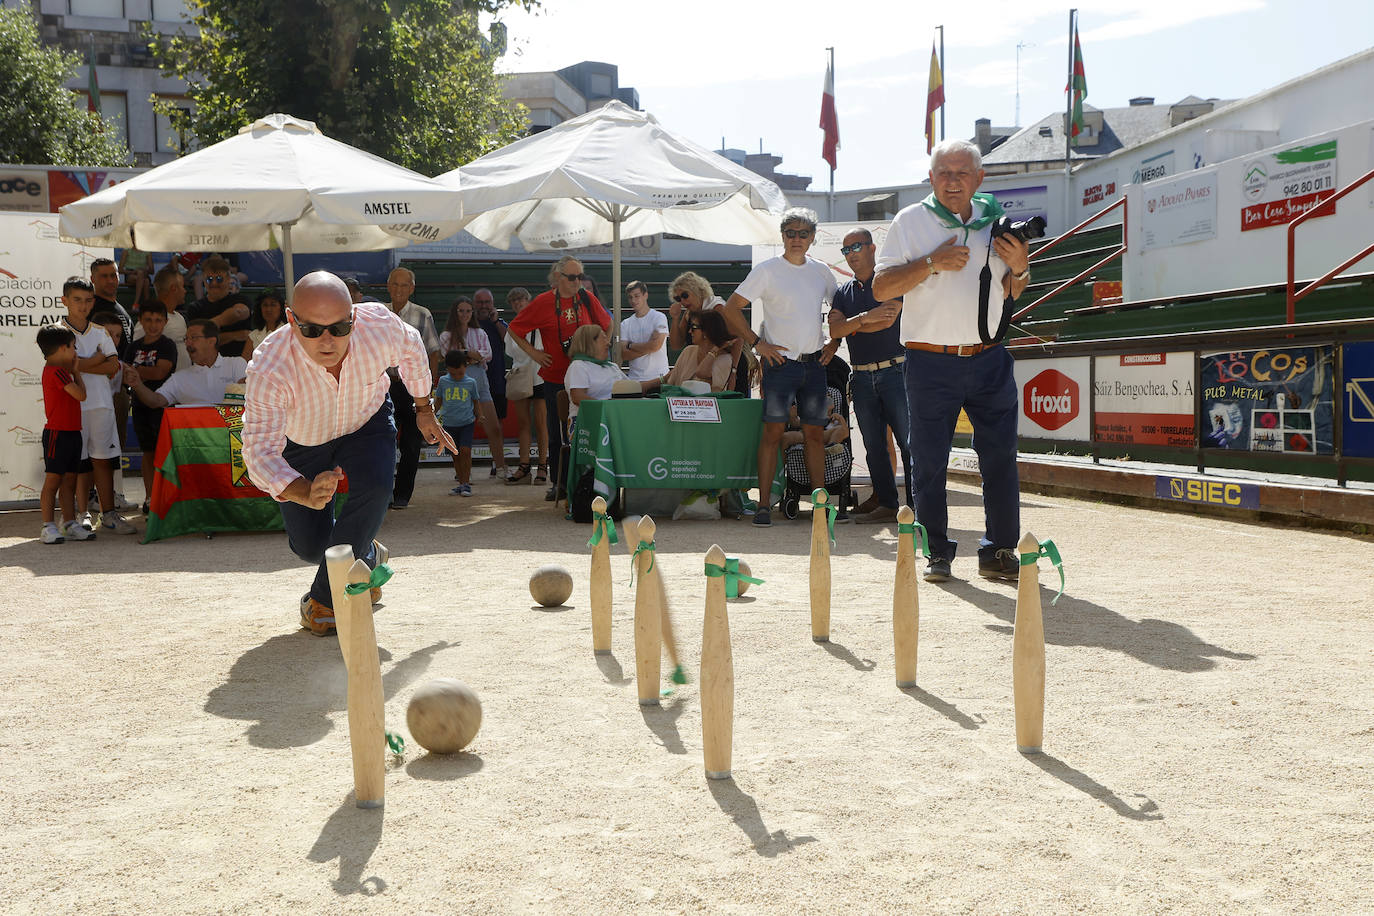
607, 526
396, 743
643, 545
912, 529
1047, 549
831, 510
733, 577
381, 575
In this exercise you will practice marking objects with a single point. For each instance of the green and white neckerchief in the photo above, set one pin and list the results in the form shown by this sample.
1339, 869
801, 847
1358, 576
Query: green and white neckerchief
582, 357
991, 211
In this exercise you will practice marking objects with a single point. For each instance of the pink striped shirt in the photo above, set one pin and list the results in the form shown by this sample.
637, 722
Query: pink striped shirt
290, 396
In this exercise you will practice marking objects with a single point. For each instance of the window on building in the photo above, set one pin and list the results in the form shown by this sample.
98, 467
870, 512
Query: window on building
600, 85
114, 108
170, 10
109, 9
169, 139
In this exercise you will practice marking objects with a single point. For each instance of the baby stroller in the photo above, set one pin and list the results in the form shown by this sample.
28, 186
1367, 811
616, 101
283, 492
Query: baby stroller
839, 456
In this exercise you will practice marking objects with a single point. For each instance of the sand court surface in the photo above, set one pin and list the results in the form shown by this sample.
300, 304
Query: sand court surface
173, 742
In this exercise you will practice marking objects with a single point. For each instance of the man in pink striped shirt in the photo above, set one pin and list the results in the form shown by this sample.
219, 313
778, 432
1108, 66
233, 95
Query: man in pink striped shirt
317, 410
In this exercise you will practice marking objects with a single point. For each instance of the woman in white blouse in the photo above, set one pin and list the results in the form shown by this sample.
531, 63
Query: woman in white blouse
592, 375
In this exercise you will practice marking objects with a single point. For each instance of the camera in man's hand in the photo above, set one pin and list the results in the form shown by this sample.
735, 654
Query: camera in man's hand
1025, 230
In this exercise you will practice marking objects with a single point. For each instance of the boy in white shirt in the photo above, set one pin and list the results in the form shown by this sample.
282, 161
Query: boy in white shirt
644, 336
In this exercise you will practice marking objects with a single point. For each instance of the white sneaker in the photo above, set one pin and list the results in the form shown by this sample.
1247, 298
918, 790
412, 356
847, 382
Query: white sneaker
93, 505
51, 534
89, 520
77, 532
116, 523
119, 501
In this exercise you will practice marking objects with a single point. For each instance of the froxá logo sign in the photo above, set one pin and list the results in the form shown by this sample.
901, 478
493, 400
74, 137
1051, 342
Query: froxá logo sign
1051, 399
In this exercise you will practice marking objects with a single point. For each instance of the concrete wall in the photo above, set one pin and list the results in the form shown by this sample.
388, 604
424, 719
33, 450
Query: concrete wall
1235, 258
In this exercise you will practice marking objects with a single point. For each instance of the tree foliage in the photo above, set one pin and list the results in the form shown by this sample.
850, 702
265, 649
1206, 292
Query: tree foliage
41, 122
412, 81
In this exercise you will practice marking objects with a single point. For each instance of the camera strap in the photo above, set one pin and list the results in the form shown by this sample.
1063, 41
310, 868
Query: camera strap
984, 299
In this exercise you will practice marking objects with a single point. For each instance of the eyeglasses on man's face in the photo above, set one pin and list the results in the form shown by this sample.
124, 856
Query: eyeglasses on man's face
576, 278
215, 278
857, 246
310, 330
797, 233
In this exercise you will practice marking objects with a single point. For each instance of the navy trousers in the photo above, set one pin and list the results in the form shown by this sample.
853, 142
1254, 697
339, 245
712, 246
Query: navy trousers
368, 457
937, 385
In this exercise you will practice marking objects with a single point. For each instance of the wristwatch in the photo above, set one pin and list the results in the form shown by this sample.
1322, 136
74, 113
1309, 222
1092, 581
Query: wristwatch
930, 264
1023, 275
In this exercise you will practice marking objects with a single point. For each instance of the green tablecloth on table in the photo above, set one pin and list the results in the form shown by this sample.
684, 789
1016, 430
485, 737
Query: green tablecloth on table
632, 443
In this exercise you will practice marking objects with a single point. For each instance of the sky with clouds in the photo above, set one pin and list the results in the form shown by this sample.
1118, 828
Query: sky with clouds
752, 72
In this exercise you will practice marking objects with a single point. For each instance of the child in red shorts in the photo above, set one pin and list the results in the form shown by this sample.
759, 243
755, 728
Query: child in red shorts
63, 392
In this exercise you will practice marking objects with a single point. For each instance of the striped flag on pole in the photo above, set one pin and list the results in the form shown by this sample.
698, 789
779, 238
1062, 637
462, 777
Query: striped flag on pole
830, 122
92, 85
1078, 85
935, 97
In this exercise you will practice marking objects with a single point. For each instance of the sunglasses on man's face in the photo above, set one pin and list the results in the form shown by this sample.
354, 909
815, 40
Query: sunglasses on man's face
797, 233
850, 249
573, 277
215, 278
310, 330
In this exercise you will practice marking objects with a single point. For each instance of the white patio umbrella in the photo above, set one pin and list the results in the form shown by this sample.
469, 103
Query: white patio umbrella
279, 183
613, 173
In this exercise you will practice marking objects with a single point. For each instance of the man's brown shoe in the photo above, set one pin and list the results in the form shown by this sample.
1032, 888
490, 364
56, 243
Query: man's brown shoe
316, 618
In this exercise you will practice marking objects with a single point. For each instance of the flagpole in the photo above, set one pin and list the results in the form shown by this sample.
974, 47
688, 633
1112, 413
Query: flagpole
1068, 125
943, 71
831, 215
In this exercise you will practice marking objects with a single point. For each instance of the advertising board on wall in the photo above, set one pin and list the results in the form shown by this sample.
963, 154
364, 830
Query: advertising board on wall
1270, 400
1357, 400
33, 264
1279, 187
1054, 398
1145, 399
1180, 211
29, 189
1023, 203
1160, 165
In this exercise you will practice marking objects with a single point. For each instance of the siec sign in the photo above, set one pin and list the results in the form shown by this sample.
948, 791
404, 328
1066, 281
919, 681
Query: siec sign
1051, 399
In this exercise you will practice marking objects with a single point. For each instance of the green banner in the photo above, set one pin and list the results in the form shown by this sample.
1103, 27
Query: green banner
632, 443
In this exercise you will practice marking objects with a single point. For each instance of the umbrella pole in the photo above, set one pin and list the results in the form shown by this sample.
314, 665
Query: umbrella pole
615, 276
288, 268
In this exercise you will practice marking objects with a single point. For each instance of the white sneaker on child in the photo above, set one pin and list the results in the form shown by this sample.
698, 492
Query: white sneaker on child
75, 531
50, 534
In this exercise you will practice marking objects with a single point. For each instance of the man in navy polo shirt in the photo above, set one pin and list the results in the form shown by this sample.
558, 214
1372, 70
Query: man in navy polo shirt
876, 355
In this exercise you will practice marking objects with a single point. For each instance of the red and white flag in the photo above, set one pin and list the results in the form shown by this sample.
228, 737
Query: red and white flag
830, 123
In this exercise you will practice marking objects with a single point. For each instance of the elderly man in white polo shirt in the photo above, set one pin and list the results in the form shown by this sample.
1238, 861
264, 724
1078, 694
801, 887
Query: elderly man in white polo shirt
203, 383
317, 410
937, 253
788, 294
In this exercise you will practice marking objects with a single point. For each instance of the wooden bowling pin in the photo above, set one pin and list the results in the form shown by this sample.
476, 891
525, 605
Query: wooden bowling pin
1028, 655
338, 560
600, 581
820, 569
906, 613
717, 676
366, 708
648, 618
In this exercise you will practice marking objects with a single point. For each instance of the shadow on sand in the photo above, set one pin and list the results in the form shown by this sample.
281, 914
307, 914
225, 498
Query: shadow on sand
743, 810
351, 835
1148, 810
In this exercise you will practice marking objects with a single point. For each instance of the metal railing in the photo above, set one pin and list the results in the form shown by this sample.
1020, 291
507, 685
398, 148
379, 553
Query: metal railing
1039, 252
1324, 208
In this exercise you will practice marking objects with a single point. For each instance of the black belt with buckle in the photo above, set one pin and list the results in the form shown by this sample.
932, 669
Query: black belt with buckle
809, 357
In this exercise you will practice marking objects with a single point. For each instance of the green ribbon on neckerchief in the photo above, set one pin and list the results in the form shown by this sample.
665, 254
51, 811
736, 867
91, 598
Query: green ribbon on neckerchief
396, 743
582, 357
991, 211
643, 545
733, 577
912, 529
381, 575
1047, 549
607, 526
831, 510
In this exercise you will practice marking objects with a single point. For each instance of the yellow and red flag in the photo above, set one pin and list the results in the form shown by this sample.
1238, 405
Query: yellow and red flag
935, 97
